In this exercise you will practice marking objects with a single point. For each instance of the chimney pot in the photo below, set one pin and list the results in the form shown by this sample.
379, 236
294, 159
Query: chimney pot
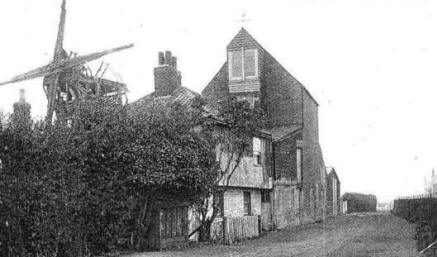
168, 57
22, 95
161, 59
174, 62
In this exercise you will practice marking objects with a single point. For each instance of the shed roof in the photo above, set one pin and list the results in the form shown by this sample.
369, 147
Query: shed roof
180, 95
331, 172
282, 133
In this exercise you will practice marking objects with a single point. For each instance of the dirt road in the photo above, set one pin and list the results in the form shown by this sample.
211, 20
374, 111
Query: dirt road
362, 235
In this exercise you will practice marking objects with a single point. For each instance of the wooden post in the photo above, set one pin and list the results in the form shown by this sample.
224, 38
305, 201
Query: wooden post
160, 227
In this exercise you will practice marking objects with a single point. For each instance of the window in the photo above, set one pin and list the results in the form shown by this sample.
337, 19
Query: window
243, 64
250, 63
265, 197
221, 204
256, 103
236, 67
299, 164
247, 208
257, 150
297, 199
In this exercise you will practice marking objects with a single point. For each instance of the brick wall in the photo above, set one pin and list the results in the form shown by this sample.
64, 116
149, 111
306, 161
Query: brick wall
312, 161
286, 212
217, 89
285, 158
281, 94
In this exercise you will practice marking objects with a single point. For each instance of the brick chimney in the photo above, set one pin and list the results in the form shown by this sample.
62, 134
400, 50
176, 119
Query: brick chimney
167, 76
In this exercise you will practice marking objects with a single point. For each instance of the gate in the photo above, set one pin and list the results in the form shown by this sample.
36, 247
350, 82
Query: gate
173, 226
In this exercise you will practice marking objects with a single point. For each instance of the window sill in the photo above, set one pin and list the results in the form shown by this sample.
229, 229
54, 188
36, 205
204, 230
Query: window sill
241, 80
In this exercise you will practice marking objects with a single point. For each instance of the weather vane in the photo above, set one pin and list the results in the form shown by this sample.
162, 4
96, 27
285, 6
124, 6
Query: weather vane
243, 20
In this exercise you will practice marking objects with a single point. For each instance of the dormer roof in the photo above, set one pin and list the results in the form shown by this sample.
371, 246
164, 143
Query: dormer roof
243, 39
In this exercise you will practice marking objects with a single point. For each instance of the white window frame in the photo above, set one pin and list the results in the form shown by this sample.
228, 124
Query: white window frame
299, 164
231, 62
256, 63
249, 203
243, 75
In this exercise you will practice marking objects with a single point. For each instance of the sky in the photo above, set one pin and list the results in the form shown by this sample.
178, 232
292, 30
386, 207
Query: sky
370, 65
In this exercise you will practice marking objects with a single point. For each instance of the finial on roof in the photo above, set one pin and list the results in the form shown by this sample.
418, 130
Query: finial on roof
243, 19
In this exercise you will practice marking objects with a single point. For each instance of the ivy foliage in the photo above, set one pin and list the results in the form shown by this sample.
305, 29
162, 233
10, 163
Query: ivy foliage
89, 186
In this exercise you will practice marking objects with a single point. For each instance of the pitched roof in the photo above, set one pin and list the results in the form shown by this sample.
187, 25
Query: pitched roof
243, 38
282, 133
331, 172
180, 95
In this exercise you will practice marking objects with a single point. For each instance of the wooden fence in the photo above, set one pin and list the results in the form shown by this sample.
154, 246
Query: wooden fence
238, 228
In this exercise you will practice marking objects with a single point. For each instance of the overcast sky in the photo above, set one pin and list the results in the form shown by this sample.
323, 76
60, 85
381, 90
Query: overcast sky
370, 64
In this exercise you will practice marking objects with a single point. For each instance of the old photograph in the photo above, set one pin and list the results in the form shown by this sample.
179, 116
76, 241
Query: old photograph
218, 128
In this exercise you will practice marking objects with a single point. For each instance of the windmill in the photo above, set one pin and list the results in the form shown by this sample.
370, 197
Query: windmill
67, 79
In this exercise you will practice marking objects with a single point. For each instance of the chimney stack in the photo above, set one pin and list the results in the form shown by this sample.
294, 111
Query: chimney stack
167, 77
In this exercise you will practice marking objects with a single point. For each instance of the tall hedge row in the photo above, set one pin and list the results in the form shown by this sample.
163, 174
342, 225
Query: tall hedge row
78, 188
423, 212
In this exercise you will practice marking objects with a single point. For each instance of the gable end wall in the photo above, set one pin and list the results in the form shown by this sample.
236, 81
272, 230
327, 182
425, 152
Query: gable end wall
281, 94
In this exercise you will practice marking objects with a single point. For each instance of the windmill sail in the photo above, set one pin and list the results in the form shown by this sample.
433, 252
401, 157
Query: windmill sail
60, 36
54, 83
54, 68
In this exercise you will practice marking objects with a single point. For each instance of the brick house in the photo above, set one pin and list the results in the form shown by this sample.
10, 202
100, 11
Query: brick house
333, 195
298, 192
248, 190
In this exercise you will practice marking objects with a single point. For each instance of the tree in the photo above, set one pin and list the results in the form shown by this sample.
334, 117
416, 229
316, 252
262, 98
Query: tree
231, 134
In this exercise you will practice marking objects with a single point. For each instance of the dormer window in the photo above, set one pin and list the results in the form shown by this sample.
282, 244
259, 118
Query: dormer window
243, 64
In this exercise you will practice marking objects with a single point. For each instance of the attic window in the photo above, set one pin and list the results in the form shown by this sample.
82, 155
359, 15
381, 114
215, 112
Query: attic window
243, 64
236, 68
250, 63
